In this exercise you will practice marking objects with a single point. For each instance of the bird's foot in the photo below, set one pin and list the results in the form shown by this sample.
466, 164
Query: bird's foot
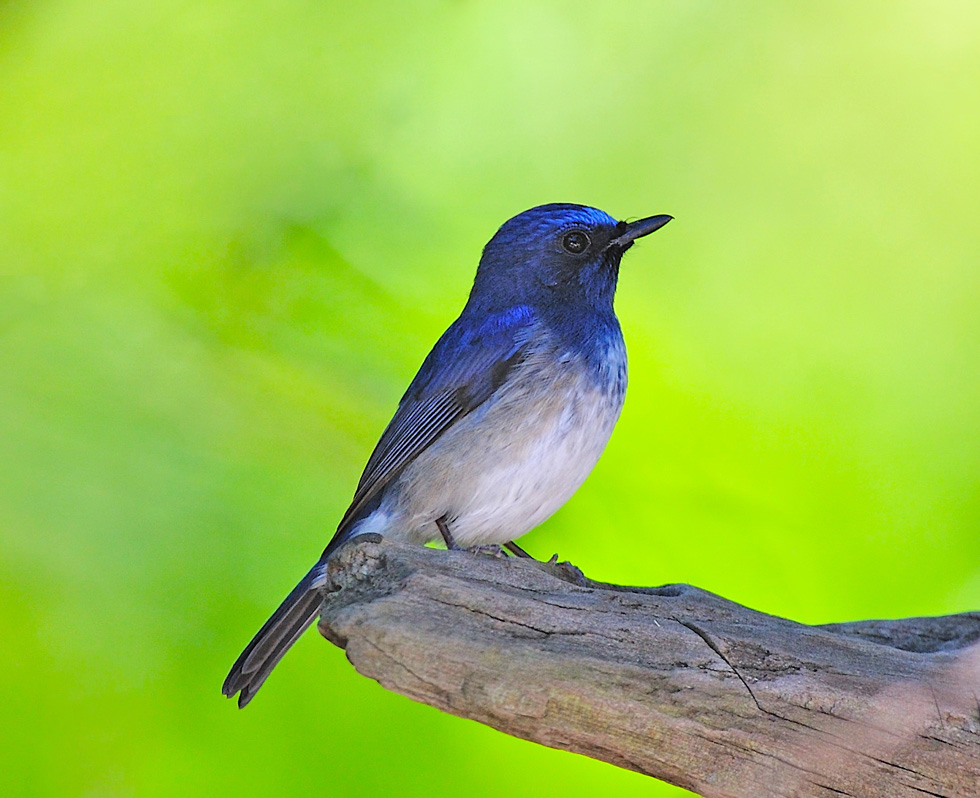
567, 571
491, 549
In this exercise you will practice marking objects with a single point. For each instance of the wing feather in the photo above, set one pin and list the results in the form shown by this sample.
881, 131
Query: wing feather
461, 372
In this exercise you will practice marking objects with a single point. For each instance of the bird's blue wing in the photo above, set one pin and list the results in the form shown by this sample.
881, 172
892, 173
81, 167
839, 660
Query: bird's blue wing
468, 363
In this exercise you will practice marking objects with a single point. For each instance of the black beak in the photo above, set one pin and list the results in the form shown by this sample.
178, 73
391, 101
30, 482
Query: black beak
638, 229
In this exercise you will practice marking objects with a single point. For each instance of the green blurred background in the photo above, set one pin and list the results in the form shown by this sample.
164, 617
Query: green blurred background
230, 233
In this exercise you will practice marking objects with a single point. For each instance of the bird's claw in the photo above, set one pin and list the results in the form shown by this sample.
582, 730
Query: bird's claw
491, 549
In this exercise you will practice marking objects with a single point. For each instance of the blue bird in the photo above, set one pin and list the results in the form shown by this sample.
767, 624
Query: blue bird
506, 417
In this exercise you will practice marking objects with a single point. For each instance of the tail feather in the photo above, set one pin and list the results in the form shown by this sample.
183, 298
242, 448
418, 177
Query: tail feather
273, 640
258, 677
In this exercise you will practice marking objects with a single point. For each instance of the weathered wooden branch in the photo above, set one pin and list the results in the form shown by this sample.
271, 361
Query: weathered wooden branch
674, 682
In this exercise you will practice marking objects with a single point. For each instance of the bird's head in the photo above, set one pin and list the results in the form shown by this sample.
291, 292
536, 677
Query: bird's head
558, 253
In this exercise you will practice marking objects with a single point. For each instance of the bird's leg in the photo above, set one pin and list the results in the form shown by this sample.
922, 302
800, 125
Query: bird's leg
446, 534
452, 545
517, 551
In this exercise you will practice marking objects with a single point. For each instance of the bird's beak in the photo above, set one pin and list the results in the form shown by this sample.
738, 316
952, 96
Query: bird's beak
638, 229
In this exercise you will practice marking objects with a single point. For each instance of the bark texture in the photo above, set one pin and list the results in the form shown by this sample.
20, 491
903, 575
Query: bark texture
673, 681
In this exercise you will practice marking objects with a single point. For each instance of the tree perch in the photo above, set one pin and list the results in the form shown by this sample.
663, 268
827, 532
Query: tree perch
673, 682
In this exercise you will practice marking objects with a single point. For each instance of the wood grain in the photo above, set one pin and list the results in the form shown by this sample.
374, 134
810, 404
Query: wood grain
673, 682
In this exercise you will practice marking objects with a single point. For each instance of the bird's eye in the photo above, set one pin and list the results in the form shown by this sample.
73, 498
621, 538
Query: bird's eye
575, 242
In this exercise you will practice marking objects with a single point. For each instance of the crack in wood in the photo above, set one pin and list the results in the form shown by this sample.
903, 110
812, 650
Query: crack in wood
711, 644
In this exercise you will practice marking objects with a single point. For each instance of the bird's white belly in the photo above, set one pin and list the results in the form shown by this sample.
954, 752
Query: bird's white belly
510, 498
509, 465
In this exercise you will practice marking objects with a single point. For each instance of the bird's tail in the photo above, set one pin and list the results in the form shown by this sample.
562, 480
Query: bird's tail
274, 639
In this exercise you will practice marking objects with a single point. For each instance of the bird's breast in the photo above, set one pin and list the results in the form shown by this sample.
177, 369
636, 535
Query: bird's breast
516, 459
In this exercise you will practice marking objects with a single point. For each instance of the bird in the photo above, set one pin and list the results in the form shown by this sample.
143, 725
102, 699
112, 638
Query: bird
506, 417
